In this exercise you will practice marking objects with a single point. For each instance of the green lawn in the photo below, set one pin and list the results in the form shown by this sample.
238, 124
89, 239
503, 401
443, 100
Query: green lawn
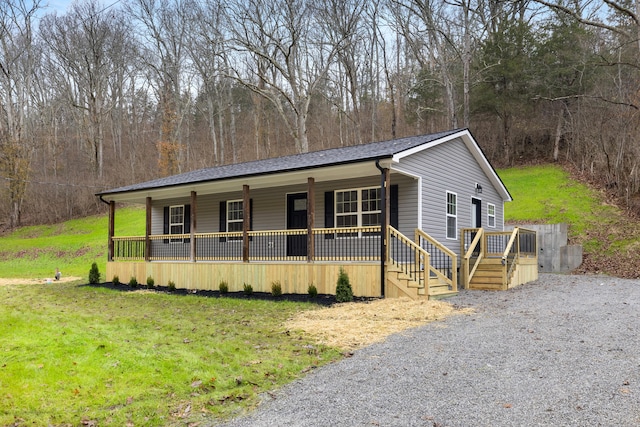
70, 353
72, 246
547, 194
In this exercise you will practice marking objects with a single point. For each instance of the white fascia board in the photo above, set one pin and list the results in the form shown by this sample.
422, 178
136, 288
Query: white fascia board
476, 152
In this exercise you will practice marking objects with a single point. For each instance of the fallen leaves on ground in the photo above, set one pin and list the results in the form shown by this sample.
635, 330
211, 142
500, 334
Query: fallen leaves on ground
350, 326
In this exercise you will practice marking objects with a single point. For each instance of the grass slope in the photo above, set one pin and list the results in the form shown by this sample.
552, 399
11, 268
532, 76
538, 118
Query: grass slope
548, 194
79, 355
72, 246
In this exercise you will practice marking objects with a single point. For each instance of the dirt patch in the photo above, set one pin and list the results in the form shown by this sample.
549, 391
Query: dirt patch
355, 325
4, 282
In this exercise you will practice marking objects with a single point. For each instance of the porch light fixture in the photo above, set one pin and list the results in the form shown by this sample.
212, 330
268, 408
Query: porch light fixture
478, 188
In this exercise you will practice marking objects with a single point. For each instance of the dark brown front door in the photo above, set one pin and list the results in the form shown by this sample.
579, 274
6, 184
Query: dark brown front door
297, 219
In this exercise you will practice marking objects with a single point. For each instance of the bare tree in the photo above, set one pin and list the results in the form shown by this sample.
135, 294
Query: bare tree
17, 65
426, 26
207, 52
344, 23
283, 56
87, 43
163, 30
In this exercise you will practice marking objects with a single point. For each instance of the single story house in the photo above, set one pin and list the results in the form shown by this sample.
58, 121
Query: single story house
401, 217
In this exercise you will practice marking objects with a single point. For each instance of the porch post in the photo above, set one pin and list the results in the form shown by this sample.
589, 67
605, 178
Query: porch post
112, 217
147, 232
246, 220
384, 222
387, 204
386, 209
192, 219
311, 216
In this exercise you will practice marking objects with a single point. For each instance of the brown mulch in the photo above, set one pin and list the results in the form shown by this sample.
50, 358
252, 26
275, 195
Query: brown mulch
350, 326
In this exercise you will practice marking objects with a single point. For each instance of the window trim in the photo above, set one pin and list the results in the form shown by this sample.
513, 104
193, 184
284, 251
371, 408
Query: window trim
229, 221
450, 215
491, 216
359, 212
172, 224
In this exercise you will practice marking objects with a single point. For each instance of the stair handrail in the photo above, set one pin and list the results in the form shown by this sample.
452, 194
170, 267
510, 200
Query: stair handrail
507, 250
510, 253
414, 270
453, 281
466, 271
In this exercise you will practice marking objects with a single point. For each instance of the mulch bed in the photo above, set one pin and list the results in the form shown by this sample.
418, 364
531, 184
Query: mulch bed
320, 299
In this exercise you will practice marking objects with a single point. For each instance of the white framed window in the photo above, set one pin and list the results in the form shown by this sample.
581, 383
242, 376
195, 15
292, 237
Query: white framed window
358, 207
176, 221
452, 215
235, 215
491, 215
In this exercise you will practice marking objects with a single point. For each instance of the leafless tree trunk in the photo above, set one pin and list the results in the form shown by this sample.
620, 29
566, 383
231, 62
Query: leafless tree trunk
163, 28
17, 65
284, 35
87, 44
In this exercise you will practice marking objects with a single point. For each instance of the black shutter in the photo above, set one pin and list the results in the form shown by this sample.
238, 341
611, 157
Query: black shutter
223, 219
187, 222
393, 206
251, 214
165, 224
328, 212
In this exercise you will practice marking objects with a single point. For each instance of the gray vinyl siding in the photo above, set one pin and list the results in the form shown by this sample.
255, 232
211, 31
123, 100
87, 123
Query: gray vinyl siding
451, 167
269, 204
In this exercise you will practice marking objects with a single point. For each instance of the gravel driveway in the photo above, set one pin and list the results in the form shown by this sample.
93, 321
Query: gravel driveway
561, 351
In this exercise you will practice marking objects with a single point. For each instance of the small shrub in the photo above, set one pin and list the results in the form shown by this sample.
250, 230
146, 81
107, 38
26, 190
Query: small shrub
94, 274
276, 289
344, 292
312, 291
115, 280
248, 289
171, 286
223, 287
150, 282
133, 282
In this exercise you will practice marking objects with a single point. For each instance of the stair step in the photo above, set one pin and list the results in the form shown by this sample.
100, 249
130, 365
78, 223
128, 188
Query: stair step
442, 295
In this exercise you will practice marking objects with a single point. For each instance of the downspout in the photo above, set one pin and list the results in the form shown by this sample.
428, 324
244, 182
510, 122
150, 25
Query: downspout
383, 231
111, 227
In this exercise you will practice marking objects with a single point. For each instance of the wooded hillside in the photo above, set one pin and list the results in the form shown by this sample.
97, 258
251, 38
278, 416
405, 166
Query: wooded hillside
104, 95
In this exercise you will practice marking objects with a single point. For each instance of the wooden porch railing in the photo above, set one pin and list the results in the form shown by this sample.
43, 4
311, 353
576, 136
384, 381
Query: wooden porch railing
409, 257
443, 261
472, 252
425, 261
329, 244
509, 246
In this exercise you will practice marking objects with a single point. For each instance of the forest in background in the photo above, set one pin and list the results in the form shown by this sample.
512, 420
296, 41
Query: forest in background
104, 95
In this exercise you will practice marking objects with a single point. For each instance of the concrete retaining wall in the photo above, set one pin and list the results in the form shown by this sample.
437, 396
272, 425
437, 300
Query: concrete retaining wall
554, 255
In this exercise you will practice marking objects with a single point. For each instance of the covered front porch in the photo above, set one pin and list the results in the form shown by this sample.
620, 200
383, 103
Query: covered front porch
394, 266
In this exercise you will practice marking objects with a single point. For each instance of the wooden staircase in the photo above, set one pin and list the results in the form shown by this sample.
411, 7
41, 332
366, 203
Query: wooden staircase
408, 278
490, 275
498, 261
399, 284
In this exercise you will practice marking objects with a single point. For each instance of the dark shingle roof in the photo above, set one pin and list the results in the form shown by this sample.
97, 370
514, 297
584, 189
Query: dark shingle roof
333, 156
